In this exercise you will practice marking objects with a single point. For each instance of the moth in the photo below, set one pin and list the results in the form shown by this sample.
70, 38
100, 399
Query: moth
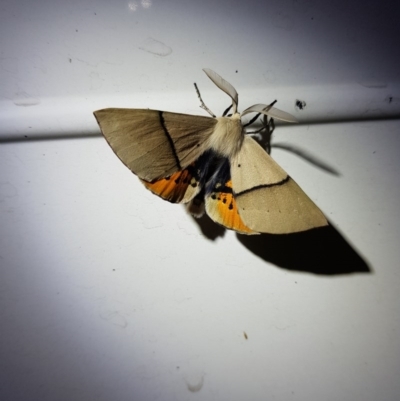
209, 163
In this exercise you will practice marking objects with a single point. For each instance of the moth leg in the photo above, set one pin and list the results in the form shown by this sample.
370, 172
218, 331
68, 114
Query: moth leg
203, 106
251, 122
226, 111
268, 127
266, 123
196, 206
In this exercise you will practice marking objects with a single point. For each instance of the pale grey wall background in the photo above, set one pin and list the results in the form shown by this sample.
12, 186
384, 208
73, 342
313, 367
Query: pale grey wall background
107, 292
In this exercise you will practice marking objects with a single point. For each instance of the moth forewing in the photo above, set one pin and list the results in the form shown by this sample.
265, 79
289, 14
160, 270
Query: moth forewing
268, 200
155, 144
253, 167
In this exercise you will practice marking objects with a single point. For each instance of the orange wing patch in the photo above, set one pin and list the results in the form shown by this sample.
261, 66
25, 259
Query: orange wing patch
180, 187
221, 207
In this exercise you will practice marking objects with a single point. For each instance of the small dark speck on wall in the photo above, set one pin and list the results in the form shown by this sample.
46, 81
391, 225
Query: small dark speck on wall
300, 104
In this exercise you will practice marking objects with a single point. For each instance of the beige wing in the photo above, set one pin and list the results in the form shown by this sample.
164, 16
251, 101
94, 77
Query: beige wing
268, 200
155, 144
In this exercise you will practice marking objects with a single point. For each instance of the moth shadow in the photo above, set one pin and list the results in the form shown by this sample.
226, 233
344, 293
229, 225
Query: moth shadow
208, 228
322, 251
308, 156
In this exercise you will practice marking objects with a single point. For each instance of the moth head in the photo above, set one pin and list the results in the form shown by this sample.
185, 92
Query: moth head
266, 109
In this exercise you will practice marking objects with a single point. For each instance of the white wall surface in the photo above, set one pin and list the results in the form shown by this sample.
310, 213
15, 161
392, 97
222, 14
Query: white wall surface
108, 292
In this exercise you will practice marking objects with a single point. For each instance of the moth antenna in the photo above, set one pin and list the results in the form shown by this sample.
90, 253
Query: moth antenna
258, 115
234, 107
270, 111
203, 106
226, 111
225, 86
